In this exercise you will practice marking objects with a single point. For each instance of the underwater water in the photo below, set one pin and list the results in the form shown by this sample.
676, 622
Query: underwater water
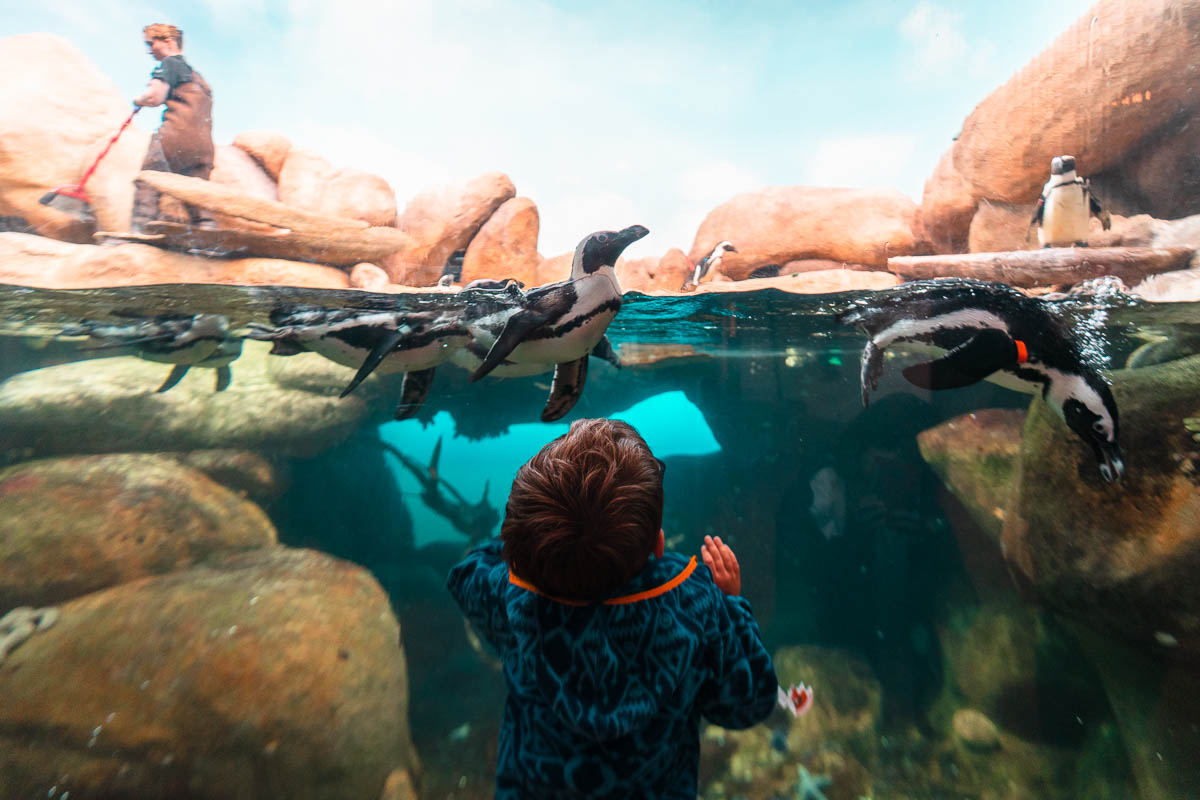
967, 627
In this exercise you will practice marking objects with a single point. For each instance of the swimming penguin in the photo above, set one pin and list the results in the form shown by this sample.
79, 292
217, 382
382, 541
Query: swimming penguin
709, 262
452, 269
183, 340
560, 323
992, 328
385, 341
1064, 207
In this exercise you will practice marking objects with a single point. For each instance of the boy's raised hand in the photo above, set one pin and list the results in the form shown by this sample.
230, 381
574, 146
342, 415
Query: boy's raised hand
724, 565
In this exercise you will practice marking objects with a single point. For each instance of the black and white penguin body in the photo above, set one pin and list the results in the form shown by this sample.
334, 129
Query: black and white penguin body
1065, 207
708, 263
559, 324
991, 329
196, 340
452, 269
389, 342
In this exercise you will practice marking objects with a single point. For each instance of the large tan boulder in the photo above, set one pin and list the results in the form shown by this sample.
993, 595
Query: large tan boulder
277, 673
666, 273
1109, 82
268, 148
557, 268
441, 220
787, 223
308, 181
506, 245
29, 260
947, 206
75, 525
234, 168
998, 227
56, 116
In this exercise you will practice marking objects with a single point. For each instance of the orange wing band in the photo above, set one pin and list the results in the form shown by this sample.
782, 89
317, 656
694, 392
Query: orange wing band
1022, 351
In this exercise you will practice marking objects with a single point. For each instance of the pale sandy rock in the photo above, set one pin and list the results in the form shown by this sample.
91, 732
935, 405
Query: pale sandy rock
276, 673
368, 276
441, 220
75, 525
54, 121
819, 264
1178, 233
975, 730
274, 404
947, 206
310, 182
1137, 231
1112, 79
634, 273
997, 227
819, 282
506, 245
1180, 286
556, 268
268, 148
787, 223
29, 260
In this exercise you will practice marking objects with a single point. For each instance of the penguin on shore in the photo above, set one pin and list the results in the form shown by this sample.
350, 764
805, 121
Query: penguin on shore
1065, 207
195, 340
388, 342
990, 329
707, 264
452, 269
560, 323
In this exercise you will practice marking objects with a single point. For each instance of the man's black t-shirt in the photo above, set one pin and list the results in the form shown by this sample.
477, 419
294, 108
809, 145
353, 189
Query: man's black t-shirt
172, 70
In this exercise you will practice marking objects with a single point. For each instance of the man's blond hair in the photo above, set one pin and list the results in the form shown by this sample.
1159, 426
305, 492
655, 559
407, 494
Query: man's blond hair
161, 30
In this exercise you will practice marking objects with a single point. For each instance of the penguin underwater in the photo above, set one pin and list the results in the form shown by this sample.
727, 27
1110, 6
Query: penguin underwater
197, 340
992, 328
388, 341
558, 324
1063, 209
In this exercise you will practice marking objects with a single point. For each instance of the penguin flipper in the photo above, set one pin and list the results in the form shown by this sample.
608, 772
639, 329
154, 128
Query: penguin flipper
413, 392
517, 327
566, 388
1097, 209
872, 368
970, 362
604, 349
1038, 212
379, 352
224, 378
177, 373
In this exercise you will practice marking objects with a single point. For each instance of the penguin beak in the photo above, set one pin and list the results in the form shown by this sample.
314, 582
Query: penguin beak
629, 236
1112, 466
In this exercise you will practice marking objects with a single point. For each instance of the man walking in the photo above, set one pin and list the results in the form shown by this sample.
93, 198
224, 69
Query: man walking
183, 143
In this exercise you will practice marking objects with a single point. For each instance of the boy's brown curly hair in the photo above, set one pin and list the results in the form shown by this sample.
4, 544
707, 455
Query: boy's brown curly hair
584, 513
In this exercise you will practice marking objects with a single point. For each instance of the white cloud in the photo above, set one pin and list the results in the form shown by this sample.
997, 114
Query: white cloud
934, 33
863, 162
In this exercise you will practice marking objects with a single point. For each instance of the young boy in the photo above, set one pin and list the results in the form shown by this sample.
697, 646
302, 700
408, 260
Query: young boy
612, 650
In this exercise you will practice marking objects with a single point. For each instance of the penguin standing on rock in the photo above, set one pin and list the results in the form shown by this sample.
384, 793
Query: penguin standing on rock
988, 328
708, 263
560, 323
1065, 207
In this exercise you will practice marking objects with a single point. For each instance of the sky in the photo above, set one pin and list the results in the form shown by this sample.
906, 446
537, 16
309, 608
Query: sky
605, 114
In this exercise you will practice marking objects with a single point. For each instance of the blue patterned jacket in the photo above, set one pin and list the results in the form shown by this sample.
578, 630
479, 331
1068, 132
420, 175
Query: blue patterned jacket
604, 701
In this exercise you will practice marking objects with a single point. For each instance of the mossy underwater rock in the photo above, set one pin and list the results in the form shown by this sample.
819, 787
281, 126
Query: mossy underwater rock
1122, 558
273, 674
75, 525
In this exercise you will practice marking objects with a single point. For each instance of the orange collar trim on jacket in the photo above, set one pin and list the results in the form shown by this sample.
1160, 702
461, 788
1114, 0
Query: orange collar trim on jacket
612, 601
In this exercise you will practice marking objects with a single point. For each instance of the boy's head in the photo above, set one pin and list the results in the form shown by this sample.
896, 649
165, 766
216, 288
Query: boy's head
162, 38
584, 514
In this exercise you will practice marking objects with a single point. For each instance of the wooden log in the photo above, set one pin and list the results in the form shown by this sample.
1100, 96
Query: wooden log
216, 197
1047, 267
337, 248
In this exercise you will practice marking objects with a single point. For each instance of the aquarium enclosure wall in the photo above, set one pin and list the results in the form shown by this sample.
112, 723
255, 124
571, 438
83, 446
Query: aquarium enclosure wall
904, 299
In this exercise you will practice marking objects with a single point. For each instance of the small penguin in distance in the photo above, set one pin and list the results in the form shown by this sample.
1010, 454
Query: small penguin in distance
707, 264
452, 269
1065, 207
987, 328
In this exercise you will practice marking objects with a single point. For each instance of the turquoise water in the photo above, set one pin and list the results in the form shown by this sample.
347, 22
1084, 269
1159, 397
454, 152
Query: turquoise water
943, 664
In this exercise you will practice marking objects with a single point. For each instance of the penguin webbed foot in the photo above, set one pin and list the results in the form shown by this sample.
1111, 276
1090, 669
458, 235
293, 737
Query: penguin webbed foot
176, 375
